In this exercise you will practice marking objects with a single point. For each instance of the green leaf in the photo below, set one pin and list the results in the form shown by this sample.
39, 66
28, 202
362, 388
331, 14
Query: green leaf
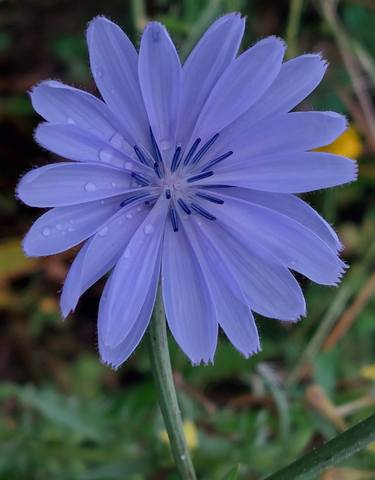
233, 474
329, 454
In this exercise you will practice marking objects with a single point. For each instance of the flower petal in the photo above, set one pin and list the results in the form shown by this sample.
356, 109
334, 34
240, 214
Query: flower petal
288, 132
59, 103
63, 227
114, 63
75, 143
134, 275
99, 254
188, 305
204, 66
63, 184
231, 311
160, 80
289, 172
292, 207
269, 288
297, 79
117, 355
291, 243
242, 83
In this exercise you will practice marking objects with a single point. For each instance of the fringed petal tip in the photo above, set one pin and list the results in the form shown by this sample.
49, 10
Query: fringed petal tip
273, 39
252, 352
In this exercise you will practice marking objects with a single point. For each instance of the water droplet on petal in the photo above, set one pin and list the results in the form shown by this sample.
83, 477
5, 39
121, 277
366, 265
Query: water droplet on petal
105, 155
155, 32
46, 232
127, 253
117, 140
90, 187
148, 229
59, 226
102, 202
165, 144
139, 209
128, 166
103, 232
71, 229
129, 215
70, 121
114, 184
98, 72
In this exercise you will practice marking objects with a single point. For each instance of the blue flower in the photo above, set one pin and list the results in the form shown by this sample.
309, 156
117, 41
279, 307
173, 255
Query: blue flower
189, 172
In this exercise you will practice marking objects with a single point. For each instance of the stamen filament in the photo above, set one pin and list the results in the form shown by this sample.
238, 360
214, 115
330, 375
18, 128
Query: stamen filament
204, 149
216, 160
176, 159
134, 198
191, 151
200, 176
174, 218
210, 198
141, 178
202, 211
184, 206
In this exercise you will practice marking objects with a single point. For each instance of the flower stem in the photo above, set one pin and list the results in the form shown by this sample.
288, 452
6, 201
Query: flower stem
162, 371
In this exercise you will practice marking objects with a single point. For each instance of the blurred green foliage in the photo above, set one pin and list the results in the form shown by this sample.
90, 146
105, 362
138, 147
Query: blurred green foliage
63, 415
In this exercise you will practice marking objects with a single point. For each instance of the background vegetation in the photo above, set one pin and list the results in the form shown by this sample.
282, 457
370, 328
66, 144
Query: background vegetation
64, 416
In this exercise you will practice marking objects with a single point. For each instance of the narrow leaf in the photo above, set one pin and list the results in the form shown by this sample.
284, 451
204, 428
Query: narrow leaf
331, 453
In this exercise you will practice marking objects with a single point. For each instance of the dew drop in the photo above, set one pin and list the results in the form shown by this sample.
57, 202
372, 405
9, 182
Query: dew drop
117, 140
139, 209
128, 166
46, 232
114, 184
148, 229
98, 72
127, 253
102, 202
90, 187
105, 155
103, 232
70, 121
59, 226
165, 144
155, 32
129, 215
71, 229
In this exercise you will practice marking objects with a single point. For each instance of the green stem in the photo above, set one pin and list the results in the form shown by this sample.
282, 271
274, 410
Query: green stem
341, 447
292, 28
162, 371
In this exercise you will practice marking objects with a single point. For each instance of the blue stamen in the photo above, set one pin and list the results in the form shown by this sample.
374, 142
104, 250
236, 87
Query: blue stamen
210, 198
133, 198
141, 156
184, 206
200, 176
141, 179
204, 149
176, 158
198, 209
168, 194
157, 169
174, 218
191, 151
217, 160
155, 146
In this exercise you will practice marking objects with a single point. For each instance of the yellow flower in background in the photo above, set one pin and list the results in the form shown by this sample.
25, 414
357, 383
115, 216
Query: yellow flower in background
348, 144
191, 435
368, 372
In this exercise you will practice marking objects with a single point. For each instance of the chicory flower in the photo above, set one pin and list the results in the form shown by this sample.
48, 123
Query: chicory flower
189, 172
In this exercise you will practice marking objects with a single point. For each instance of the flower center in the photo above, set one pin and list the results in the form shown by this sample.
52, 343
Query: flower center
181, 182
